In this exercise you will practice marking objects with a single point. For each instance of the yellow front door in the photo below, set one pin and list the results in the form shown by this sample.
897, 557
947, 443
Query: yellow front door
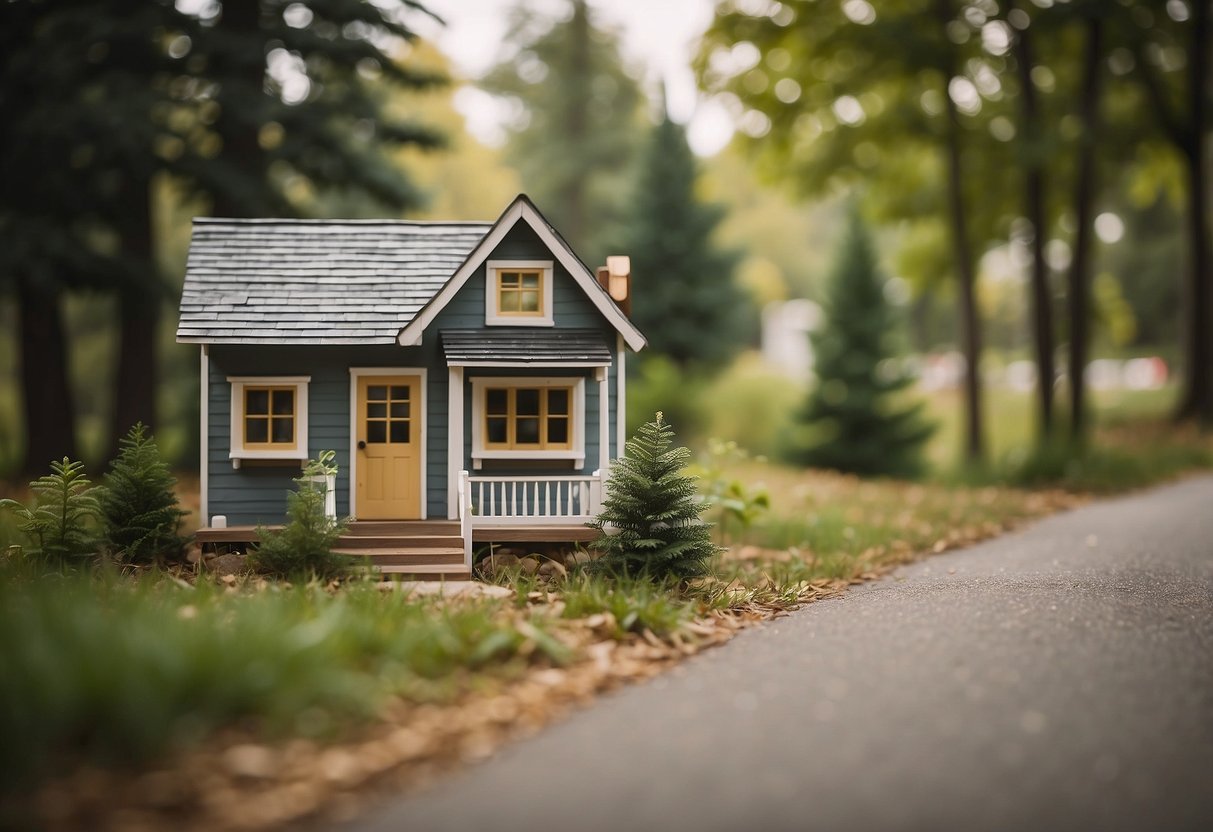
389, 448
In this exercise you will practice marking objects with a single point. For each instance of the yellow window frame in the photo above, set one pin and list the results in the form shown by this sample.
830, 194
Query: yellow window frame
511, 417
271, 390
516, 288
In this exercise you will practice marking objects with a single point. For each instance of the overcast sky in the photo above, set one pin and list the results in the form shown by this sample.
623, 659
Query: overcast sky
658, 35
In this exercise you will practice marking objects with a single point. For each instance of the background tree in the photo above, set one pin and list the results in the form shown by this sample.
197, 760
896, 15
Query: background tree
856, 419
684, 294
844, 92
576, 113
257, 106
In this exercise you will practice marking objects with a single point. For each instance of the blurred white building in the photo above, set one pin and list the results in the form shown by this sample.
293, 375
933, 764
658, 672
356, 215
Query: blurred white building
785, 335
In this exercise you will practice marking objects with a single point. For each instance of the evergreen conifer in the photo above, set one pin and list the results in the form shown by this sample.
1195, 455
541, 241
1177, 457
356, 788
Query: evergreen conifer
304, 546
684, 298
61, 523
139, 506
854, 419
650, 516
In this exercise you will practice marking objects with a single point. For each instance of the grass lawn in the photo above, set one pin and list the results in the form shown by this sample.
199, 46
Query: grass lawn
209, 705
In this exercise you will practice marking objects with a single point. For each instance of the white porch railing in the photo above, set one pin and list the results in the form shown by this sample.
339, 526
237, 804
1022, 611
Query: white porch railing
534, 500
526, 501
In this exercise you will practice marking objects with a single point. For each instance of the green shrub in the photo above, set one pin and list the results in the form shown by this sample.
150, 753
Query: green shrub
139, 506
650, 517
61, 525
304, 546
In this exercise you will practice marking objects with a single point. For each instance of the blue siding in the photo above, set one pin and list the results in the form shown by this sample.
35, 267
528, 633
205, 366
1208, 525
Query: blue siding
256, 492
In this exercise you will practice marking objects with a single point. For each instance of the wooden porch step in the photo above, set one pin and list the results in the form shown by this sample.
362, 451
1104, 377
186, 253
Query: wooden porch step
422, 572
372, 528
398, 557
385, 541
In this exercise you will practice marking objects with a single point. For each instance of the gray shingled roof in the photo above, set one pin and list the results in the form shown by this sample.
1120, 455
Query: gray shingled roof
251, 281
525, 346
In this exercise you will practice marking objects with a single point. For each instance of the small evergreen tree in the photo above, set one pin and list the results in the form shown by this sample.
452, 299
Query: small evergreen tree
62, 522
853, 420
304, 546
139, 506
684, 296
652, 512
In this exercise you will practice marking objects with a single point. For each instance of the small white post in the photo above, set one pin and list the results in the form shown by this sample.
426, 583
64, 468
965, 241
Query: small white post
465, 519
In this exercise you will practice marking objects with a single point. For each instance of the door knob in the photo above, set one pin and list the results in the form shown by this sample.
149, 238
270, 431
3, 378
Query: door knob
361, 445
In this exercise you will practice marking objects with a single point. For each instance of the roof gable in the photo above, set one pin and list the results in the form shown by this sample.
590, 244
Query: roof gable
522, 210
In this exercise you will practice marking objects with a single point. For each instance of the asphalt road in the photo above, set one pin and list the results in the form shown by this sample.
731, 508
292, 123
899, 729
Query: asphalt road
1060, 678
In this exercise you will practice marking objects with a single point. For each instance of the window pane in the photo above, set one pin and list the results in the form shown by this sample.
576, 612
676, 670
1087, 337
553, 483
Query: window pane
400, 410
376, 432
376, 410
256, 402
400, 432
527, 432
497, 430
558, 431
256, 430
529, 301
558, 401
376, 393
400, 394
510, 280
497, 401
283, 402
508, 302
530, 281
284, 430
526, 402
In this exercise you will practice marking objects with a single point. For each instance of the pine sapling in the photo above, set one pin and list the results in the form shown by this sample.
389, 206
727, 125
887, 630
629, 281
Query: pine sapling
61, 524
304, 546
140, 508
651, 517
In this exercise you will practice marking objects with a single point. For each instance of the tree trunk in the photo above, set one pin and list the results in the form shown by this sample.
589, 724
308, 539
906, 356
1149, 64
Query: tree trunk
1084, 195
139, 303
1041, 301
970, 320
243, 74
1198, 390
50, 414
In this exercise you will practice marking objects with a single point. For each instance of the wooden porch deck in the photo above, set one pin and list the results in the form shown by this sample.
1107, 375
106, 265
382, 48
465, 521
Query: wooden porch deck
416, 549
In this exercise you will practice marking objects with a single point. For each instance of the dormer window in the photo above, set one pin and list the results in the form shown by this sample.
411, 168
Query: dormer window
518, 293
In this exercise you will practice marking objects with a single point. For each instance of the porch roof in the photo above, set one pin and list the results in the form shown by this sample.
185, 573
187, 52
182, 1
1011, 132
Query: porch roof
525, 346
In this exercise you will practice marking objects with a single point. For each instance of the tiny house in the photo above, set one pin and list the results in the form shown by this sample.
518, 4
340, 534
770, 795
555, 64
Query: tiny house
469, 376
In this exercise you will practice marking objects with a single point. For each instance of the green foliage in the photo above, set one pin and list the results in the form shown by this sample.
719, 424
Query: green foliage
853, 420
734, 502
304, 546
577, 112
61, 525
635, 603
139, 506
119, 672
650, 516
684, 295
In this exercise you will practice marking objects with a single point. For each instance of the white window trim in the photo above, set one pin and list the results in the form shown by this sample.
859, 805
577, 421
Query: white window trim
575, 453
493, 316
237, 451
355, 374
